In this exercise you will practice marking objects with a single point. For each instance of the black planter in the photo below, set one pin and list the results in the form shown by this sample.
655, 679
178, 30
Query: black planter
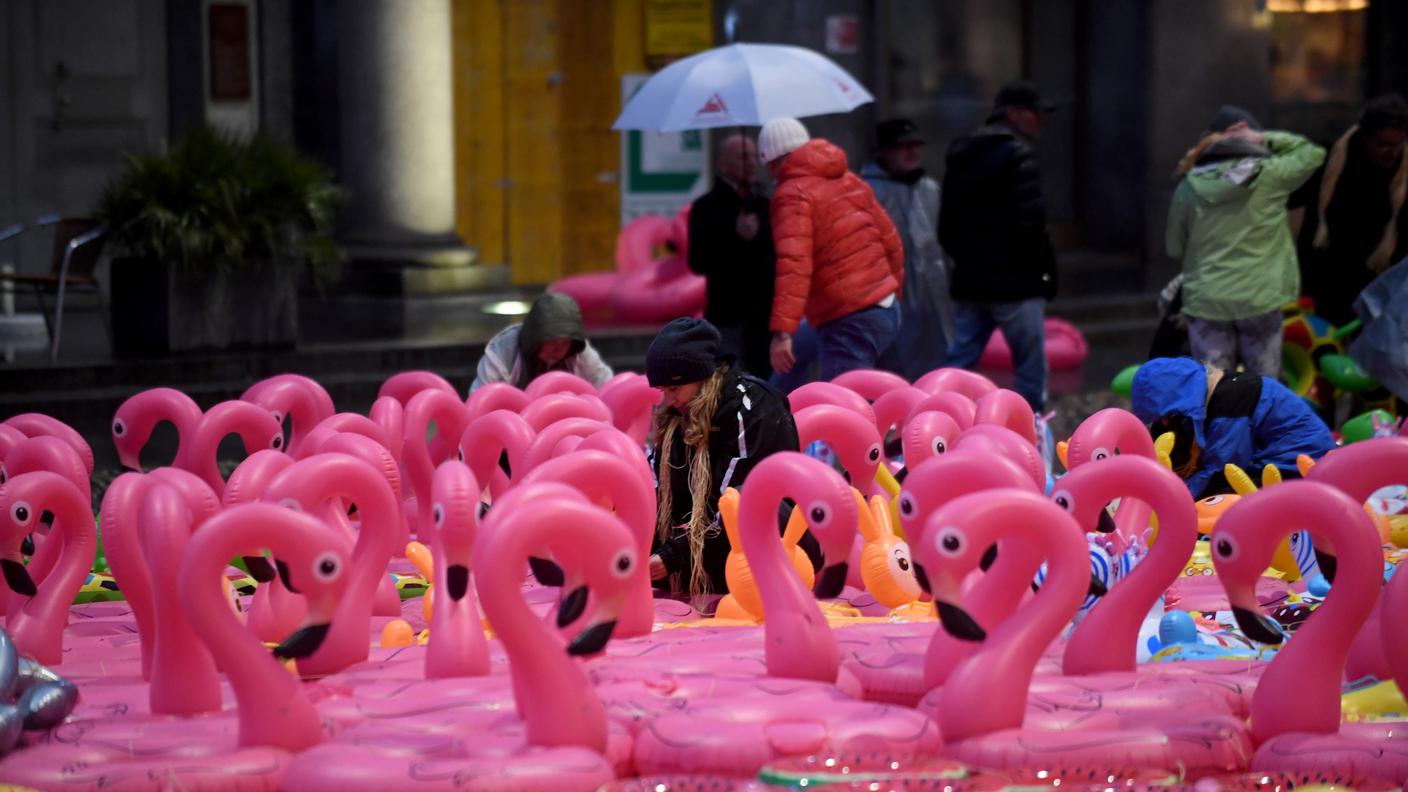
159, 309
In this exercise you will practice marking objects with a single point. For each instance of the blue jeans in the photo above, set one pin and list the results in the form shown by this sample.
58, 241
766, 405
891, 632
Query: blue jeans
857, 340
1022, 324
804, 349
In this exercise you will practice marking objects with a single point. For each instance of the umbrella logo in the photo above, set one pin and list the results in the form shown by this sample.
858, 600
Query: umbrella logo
715, 106
844, 88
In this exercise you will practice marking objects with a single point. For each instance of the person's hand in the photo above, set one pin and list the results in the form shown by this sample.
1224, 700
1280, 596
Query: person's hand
657, 568
781, 353
747, 226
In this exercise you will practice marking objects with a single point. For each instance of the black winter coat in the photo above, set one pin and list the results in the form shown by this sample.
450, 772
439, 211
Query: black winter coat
767, 427
992, 222
739, 272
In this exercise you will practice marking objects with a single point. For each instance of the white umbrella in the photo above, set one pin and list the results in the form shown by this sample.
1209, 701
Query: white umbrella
742, 85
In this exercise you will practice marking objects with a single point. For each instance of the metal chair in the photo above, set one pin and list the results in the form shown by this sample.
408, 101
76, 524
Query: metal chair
78, 244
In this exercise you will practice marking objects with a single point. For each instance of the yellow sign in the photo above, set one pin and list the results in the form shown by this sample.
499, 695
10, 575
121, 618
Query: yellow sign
678, 27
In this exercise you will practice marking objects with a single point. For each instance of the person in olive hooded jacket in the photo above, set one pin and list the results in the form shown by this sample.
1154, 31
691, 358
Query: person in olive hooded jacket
550, 338
1227, 225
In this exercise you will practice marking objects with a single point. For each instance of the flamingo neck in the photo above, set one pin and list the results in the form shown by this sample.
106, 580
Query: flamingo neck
1106, 639
558, 704
799, 643
971, 705
272, 708
991, 600
1309, 669
47, 611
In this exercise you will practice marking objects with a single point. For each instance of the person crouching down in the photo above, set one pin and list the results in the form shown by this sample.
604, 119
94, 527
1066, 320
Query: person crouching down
1220, 416
713, 426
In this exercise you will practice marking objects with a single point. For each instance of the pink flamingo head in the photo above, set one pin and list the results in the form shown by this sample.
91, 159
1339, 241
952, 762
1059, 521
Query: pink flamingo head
851, 435
37, 424
496, 396
959, 407
22, 500
1249, 532
553, 407
894, 406
353, 423
547, 440
997, 440
490, 437
957, 536
448, 413
454, 511
370, 451
632, 403
46, 453
937, 481
9, 438
295, 397
135, 419
1009, 409
927, 435
388, 413
1108, 433
1085, 493
827, 393
404, 386
968, 383
825, 500
558, 382
871, 384
255, 425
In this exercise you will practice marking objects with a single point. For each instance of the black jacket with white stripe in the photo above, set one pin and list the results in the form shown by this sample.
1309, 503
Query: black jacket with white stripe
753, 420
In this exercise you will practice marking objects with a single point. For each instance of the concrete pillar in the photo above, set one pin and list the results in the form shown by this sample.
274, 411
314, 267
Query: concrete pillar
397, 146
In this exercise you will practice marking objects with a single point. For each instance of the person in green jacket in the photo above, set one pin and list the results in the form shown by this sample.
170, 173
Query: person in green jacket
1227, 226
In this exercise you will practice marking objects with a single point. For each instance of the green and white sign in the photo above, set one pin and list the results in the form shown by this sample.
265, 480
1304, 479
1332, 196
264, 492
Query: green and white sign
660, 171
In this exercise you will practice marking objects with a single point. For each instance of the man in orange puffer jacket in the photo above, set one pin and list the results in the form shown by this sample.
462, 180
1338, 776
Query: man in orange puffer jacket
839, 259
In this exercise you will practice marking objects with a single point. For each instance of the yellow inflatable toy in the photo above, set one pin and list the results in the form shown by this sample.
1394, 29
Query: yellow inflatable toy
743, 602
885, 565
1283, 561
1383, 701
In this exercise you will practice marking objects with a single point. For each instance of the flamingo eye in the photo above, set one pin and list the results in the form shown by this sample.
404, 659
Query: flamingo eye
1099, 454
1226, 548
820, 514
278, 416
3, 476
460, 455
277, 442
21, 513
291, 504
949, 542
1065, 500
623, 564
907, 507
327, 567
939, 445
874, 453
119, 427
437, 513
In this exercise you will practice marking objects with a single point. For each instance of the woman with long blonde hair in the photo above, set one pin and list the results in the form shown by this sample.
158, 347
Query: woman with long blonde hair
713, 425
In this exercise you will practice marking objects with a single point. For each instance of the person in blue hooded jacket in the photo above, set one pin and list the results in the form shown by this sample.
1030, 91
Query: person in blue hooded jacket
1220, 416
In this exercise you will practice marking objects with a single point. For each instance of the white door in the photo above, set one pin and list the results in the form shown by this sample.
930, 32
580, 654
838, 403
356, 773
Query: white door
86, 83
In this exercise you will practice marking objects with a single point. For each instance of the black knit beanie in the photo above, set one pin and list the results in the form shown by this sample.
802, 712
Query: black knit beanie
685, 351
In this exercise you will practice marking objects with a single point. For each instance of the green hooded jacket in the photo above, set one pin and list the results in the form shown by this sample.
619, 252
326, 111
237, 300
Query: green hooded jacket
1227, 225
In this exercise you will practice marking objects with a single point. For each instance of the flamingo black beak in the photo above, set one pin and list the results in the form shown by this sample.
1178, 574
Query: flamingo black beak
572, 607
285, 576
830, 582
27, 545
1105, 524
1328, 564
1258, 626
989, 558
303, 642
259, 568
17, 577
547, 572
958, 623
456, 581
591, 640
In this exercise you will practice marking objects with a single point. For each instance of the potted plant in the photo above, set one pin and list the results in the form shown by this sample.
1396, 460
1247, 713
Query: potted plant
212, 234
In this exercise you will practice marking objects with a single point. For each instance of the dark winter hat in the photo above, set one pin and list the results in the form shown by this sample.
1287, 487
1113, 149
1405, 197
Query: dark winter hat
896, 132
1021, 94
1227, 115
685, 351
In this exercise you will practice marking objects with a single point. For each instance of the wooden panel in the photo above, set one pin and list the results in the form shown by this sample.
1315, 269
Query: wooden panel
534, 141
480, 166
590, 103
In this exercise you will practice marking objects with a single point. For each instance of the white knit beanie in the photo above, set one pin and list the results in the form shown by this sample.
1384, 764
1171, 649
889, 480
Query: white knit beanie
781, 136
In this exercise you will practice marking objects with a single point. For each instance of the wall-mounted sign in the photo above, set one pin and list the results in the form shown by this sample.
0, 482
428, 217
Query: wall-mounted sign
842, 34
660, 171
678, 27
229, 52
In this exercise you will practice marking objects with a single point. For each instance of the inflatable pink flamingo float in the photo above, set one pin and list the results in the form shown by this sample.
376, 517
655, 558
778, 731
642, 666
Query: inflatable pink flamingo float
1296, 708
44, 452
37, 625
135, 419
1105, 435
553, 407
494, 436
955, 380
39, 425
419, 458
390, 415
871, 384
457, 645
273, 718
255, 425
1358, 470
982, 706
1008, 409
296, 397
558, 382
632, 404
826, 393
927, 435
960, 408
307, 486
560, 739
495, 396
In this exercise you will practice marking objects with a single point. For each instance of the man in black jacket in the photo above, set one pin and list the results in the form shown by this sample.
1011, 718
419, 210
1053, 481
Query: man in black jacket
992, 224
730, 244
